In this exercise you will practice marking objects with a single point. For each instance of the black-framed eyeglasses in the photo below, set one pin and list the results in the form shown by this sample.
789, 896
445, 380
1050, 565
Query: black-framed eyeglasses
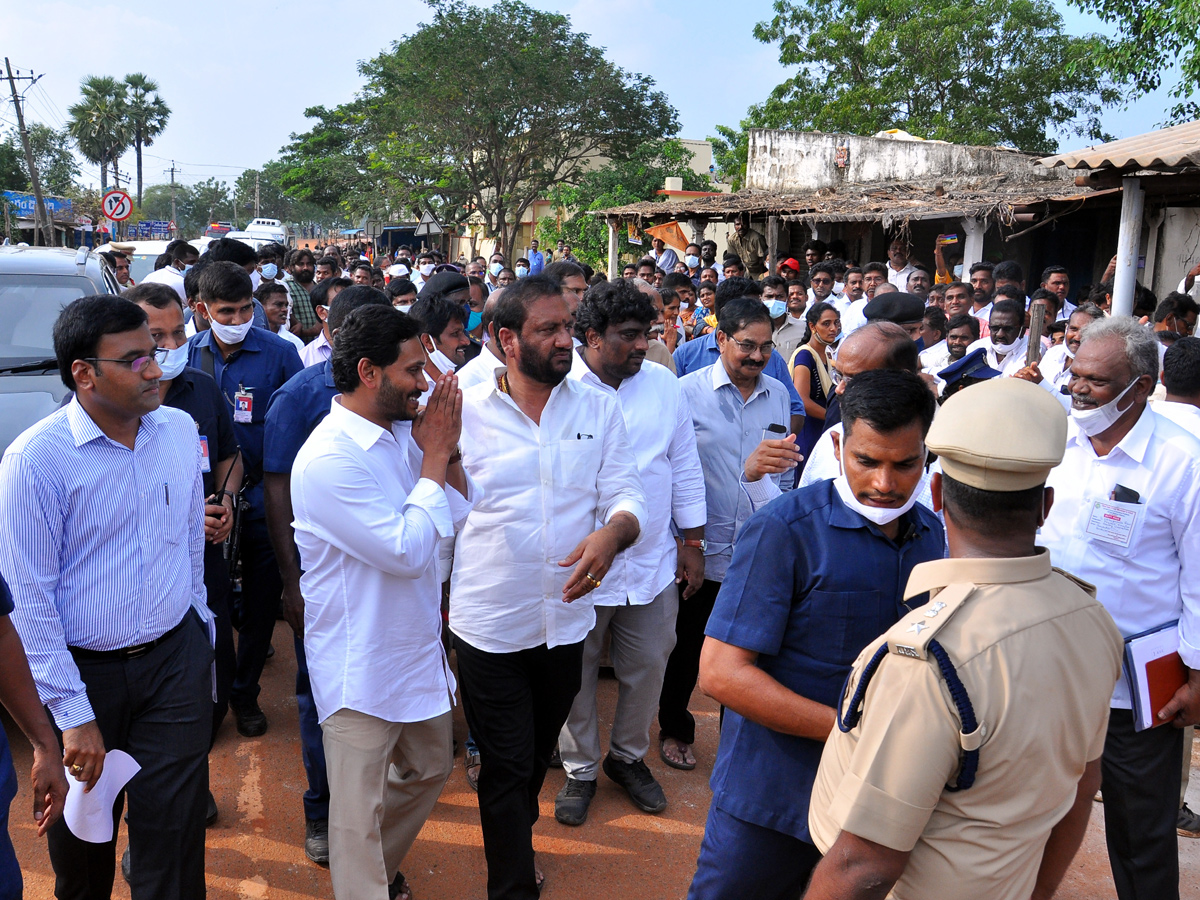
159, 356
749, 347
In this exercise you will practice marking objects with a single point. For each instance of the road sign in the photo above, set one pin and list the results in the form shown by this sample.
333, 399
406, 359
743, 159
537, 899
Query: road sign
427, 225
117, 206
171, 224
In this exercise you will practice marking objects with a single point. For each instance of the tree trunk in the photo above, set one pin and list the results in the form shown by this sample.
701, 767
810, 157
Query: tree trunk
137, 145
103, 178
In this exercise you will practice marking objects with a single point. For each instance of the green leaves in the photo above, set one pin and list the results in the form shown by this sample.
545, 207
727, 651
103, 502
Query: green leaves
1152, 38
982, 72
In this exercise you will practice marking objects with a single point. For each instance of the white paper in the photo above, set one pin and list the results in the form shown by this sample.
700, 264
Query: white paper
89, 816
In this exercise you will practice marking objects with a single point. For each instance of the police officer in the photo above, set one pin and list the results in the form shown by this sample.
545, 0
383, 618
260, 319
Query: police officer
294, 411
249, 364
969, 736
816, 575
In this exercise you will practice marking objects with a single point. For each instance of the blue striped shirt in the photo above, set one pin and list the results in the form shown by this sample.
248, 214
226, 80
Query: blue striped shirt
103, 546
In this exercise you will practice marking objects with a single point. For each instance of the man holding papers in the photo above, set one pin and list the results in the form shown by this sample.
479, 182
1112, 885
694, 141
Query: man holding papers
1125, 518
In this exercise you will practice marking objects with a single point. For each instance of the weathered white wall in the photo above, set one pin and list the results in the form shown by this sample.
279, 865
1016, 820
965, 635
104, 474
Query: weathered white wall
1178, 248
801, 161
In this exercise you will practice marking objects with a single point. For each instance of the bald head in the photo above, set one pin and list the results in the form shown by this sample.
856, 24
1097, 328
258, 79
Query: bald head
876, 345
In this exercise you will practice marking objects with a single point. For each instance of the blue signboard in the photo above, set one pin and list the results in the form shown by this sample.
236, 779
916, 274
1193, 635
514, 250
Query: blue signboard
58, 207
151, 230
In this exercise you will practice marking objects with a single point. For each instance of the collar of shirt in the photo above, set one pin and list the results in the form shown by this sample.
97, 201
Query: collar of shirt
364, 432
251, 343
84, 429
939, 573
720, 378
1133, 445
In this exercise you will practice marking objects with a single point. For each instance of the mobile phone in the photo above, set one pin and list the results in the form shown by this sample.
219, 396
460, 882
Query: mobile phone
774, 432
1122, 494
947, 238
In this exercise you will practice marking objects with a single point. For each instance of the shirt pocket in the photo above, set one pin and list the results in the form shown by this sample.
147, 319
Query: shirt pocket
839, 624
579, 463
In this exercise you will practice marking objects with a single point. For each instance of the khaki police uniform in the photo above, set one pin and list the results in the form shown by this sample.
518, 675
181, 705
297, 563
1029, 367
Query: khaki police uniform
1037, 657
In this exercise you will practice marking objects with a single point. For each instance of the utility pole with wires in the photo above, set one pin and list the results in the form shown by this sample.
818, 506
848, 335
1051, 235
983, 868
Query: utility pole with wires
40, 219
256, 205
174, 219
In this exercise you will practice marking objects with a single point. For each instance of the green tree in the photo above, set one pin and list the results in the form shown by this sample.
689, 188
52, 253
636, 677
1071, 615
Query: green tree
1152, 38
617, 183
99, 123
969, 71
481, 109
209, 201
13, 176
147, 115
52, 155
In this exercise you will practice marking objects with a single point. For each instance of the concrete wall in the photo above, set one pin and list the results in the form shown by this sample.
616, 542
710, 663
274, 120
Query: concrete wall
1178, 248
800, 161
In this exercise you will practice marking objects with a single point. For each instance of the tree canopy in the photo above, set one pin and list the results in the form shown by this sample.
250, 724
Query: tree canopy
619, 182
1151, 39
482, 110
978, 72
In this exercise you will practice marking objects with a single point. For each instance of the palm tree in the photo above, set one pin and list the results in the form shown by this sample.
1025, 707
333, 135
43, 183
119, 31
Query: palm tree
99, 123
148, 116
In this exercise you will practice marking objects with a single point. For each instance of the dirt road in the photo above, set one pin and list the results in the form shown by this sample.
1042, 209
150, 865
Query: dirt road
255, 851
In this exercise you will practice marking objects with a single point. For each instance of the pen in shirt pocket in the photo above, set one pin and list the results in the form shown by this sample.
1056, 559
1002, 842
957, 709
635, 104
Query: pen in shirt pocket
167, 493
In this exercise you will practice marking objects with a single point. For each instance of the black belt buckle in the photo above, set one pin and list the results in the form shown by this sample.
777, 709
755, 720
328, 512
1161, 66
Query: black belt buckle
141, 649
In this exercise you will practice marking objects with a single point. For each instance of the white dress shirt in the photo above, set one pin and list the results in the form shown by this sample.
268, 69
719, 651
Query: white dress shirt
284, 333
545, 487
659, 427
1056, 373
316, 351
1156, 578
367, 527
853, 317
478, 370
171, 277
899, 277
1185, 415
1013, 361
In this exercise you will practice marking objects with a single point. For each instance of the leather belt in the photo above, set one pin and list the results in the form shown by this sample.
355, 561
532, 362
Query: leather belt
125, 653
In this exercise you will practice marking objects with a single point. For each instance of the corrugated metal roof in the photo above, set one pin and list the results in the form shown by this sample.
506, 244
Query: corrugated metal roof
1178, 145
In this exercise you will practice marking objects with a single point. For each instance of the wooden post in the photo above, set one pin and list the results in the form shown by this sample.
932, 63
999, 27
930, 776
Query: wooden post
772, 244
1129, 240
613, 251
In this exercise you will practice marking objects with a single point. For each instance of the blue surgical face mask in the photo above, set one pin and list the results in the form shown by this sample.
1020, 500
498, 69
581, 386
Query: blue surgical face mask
269, 271
776, 308
692, 261
496, 268
522, 271
473, 320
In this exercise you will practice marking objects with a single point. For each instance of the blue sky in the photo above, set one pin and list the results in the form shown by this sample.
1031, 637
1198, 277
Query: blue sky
238, 87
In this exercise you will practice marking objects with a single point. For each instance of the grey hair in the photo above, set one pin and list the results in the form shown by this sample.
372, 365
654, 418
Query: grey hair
1141, 347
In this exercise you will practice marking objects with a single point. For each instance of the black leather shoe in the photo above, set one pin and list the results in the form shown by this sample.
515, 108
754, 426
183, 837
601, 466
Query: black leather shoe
646, 793
571, 804
210, 815
251, 720
316, 840
125, 865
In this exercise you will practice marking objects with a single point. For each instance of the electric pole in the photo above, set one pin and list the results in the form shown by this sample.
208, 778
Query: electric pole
40, 218
174, 220
256, 195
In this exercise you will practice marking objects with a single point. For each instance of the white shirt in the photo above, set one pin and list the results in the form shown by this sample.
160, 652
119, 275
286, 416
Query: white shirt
478, 370
284, 333
659, 426
935, 358
367, 527
900, 277
170, 276
1185, 415
1056, 373
1157, 577
852, 316
983, 314
1013, 361
544, 489
823, 463
316, 351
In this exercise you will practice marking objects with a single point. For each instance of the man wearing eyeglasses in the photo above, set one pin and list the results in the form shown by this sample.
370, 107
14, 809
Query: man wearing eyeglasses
102, 511
568, 275
734, 405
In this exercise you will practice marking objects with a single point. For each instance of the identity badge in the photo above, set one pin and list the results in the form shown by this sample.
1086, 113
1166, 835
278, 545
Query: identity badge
243, 407
1112, 522
205, 464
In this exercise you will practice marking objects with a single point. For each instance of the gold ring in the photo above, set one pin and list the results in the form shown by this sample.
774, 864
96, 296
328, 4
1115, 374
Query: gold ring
77, 768
593, 579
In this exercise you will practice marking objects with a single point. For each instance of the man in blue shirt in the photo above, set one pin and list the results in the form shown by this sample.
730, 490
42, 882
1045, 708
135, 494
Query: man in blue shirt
816, 575
294, 411
537, 260
249, 364
703, 351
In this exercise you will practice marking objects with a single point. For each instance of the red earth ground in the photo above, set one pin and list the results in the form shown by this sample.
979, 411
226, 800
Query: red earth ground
255, 850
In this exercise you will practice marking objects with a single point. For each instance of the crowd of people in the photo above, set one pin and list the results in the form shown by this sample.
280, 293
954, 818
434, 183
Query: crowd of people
896, 518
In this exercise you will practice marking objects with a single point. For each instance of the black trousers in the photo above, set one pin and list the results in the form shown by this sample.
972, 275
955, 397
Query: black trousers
216, 580
683, 666
1141, 774
516, 705
158, 709
262, 588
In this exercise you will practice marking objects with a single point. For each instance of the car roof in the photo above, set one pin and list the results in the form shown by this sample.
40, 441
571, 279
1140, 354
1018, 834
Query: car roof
42, 260
142, 248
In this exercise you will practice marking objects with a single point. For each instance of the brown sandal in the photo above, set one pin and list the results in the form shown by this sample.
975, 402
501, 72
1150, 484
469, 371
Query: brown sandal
682, 762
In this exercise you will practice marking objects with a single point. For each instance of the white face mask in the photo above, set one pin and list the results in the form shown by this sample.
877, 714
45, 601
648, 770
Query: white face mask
692, 261
174, 363
1005, 349
269, 271
426, 270
775, 308
1100, 418
404, 307
230, 334
496, 268
441, 360
877, 514
522, 271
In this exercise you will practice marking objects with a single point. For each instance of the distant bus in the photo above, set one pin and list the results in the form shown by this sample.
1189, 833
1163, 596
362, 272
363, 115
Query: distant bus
218, 229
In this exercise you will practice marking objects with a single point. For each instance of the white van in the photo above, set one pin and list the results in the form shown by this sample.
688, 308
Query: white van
141, 263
